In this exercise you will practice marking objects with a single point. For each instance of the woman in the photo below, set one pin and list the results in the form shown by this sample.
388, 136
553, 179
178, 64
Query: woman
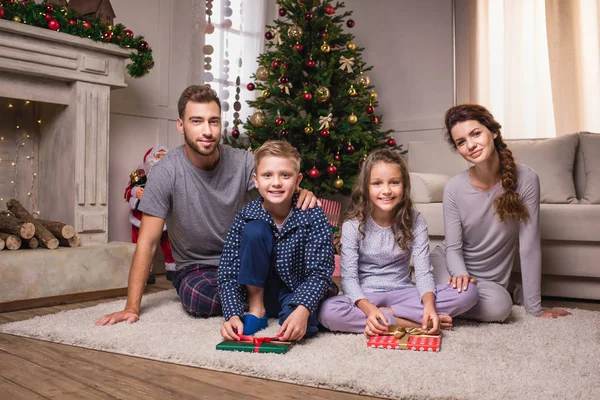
489, 209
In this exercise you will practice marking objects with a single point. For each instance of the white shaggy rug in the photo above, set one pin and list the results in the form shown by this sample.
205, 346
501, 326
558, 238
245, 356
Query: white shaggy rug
525, 358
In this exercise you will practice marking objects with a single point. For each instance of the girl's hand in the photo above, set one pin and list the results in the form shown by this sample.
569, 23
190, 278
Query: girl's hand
377, 322
553, 313
461, 282
429, 314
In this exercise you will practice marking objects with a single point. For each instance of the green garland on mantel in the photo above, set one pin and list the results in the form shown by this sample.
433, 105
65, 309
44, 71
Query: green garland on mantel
58, 18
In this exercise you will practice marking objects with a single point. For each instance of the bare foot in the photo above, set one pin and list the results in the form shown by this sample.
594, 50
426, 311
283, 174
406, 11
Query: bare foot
446, 322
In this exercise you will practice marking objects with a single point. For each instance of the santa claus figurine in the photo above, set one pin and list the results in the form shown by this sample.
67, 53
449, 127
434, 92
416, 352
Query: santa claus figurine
134, 193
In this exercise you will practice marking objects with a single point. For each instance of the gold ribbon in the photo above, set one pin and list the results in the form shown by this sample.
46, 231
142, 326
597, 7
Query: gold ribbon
324, 121
399, 331
347, 63
286, 87
277, 36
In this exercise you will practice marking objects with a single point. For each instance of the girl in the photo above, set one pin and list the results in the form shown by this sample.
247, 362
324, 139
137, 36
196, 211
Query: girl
489, 209
381, 232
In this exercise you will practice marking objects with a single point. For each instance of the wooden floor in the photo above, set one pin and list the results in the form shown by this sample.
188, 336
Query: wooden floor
34, 369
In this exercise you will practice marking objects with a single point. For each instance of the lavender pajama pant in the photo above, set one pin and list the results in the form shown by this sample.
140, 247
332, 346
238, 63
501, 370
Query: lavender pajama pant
340, 314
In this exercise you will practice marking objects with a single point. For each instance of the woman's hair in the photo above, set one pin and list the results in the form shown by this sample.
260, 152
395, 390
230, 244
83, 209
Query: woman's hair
509, 204
360, 207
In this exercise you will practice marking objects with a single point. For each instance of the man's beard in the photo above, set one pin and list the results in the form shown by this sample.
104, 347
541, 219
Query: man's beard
194, 146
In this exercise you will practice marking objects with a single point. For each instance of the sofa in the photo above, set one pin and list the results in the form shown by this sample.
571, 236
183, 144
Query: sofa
569, 171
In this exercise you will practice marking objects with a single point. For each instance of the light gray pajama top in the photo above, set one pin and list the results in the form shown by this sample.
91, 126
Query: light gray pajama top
376, 263
478, 243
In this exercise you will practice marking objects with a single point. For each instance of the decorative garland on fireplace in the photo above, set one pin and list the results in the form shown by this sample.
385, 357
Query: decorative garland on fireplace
59, 18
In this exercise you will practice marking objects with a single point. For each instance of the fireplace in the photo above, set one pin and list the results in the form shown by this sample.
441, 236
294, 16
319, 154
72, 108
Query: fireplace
68, 81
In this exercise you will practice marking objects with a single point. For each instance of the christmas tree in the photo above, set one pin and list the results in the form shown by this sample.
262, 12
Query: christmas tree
314, 93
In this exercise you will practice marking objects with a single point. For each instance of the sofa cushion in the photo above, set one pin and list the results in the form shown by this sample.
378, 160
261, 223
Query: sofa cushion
570, 222
434, 217
553, 160
427, 188
590, 149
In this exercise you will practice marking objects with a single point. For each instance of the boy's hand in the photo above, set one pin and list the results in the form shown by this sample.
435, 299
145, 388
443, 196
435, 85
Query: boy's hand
294, 327
306, 199
230, 329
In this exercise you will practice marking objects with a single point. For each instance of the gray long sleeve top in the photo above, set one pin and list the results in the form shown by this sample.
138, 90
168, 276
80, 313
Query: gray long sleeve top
478, 243
376, 263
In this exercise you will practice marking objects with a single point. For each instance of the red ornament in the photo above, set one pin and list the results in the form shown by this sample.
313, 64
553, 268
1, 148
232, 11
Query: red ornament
87, 25
129, 33
329, 10
391, 142
143, 45
279, 121
235, 132
337, 157
119, 37
308, 16
331, 170
48, 17
324, 34
325, 132
310, 63
49, 8
307, 96
350, 149
284, 133
72, 22
314, 173
282, 12
298, 47
251, 86
285, 65
53, 24
268, 35
375, 120
283, 79
275, 64
107, 35
370, 109
350, 23
1, 12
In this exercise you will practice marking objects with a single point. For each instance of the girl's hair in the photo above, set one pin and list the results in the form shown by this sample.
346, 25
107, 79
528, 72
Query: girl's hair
509, 204
360, 207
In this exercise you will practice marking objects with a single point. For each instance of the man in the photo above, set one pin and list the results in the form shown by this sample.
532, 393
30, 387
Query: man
197, 189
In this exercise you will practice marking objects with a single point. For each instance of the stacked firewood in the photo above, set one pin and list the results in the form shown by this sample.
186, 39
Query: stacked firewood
19, 229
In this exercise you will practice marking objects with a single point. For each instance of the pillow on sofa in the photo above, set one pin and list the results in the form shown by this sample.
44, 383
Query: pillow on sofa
427, 188
590, 148
553, 160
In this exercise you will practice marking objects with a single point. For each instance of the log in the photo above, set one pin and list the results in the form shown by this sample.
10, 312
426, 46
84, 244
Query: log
75, 241
46, 238
59, 229
14, 226
11, 242
32, 243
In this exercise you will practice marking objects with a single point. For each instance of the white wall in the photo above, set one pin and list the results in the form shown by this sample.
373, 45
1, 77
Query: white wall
409, 45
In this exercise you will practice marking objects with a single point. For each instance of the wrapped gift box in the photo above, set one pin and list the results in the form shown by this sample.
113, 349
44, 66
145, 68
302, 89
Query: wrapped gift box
406, 339
253, 344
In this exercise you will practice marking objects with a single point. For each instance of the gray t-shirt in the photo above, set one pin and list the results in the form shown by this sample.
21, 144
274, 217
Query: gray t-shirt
199, 206
478, 243
376, 263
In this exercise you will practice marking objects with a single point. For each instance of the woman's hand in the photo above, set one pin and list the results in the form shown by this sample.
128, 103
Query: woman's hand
461, 282
553, 313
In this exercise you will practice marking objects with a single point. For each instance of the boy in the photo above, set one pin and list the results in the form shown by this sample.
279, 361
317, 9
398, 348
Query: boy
279, 256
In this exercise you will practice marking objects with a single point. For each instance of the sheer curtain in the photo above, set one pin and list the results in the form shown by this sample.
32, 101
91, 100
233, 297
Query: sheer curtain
231, 34
534, 63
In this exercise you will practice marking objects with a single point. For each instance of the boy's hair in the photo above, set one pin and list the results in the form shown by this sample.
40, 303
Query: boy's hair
360, 207
198, 94
277, 148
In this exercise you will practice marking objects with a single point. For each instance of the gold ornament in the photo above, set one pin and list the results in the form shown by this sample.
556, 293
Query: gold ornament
16, 19
363, 80
110, 27
322, 94
325, 48
338, 183
309, 130
262, 73
258, 119
352, 91
373, 95
351, 46
265, 94
295, 32
352, 119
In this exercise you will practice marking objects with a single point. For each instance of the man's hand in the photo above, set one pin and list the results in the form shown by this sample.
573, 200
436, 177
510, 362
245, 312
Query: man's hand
129, 316
232, 328
294, 327
461, 282
306, 199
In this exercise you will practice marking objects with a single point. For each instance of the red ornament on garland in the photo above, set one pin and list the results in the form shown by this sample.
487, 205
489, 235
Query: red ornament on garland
331, 170
48, 17
1, 12
310, 63
268, 35
143, 45
391, 142
251, 86
314, 173
370, 109
282, 12
325, 132
129, 33
329, 10
53, 25
235, 132
87, 25
72, 22
350, 23
307, 96
49, 8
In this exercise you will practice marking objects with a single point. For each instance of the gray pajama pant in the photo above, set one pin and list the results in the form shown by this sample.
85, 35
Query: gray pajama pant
340, 314
495, 303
